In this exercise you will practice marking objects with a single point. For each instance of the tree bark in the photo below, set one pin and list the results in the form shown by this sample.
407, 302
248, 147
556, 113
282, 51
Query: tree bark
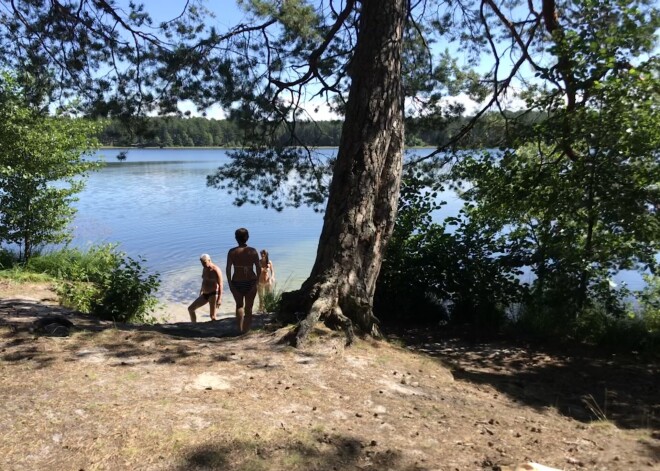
364, 192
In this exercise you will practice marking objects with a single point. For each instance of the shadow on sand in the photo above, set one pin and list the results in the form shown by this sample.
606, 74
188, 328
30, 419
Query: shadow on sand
578, 382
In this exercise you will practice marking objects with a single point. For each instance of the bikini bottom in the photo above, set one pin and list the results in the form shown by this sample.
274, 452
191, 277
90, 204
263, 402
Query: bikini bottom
208, 295
244, 286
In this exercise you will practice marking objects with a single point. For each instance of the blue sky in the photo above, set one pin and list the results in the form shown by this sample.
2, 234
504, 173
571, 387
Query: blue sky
227, 11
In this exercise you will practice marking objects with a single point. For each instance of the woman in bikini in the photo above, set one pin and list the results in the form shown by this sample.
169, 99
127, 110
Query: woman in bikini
266, 278
243, 284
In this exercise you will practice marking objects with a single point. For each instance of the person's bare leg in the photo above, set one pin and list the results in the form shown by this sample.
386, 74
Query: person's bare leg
240, 313
249, 302
196, 304
212, 307
238, 299
260, 293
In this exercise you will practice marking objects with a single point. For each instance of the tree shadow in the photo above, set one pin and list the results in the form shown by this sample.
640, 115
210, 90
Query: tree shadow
578, 382
23, 337
23, 331
321, 452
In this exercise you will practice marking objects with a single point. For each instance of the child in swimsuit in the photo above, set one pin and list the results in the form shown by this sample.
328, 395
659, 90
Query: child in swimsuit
266, 278
244, 261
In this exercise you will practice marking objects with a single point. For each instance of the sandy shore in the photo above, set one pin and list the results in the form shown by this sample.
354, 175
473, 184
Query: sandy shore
178, 312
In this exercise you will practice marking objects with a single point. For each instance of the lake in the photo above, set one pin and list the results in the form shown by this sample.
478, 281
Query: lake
156, 204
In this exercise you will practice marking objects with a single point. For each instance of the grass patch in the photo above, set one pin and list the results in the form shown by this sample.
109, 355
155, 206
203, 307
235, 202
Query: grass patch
19, 275
272, 300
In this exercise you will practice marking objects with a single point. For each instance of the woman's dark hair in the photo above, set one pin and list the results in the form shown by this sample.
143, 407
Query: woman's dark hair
242, 235
265, 252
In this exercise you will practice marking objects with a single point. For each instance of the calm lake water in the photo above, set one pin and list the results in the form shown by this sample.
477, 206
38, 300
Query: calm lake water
156, 205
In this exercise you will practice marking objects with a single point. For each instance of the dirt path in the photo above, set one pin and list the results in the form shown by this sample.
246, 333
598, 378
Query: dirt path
184, 397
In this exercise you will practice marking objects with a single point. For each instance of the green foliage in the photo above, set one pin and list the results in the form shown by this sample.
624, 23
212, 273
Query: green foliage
100, 281
127, 293
78, 273
488, 133
270, 172
41, 165
577, 200
78, 295
629, 333
272, 299
649, 300
574, 223
7, 259
77, 265
19, 275
442, 272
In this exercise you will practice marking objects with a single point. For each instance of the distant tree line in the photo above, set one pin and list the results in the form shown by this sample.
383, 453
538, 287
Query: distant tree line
488, 132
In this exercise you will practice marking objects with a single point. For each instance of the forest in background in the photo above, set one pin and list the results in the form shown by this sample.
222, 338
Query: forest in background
488, 132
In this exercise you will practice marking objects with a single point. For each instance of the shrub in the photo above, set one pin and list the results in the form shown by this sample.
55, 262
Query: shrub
127, 293
272, 299
75, 265
7, 259
78, 294
649, 300
442, 272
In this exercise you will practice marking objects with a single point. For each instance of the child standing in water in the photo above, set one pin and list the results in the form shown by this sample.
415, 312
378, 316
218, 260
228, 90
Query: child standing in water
266, 278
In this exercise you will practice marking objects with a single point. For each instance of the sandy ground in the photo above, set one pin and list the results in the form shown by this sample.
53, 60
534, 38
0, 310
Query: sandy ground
178, 312
182, 396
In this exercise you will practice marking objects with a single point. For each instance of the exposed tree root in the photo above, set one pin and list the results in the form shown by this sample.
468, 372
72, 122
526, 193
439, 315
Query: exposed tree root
324, 307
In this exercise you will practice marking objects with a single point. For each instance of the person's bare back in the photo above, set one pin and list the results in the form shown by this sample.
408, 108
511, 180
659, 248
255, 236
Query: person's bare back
243, 259
244, 262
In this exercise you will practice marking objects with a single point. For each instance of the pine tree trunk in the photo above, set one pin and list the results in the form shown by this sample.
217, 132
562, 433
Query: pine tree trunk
363, 196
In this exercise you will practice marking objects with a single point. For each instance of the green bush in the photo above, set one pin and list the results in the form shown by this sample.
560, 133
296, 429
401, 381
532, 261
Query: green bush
272, 299
442, 273
649, 300
127, 294
7, 259
75, 265
78, 294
